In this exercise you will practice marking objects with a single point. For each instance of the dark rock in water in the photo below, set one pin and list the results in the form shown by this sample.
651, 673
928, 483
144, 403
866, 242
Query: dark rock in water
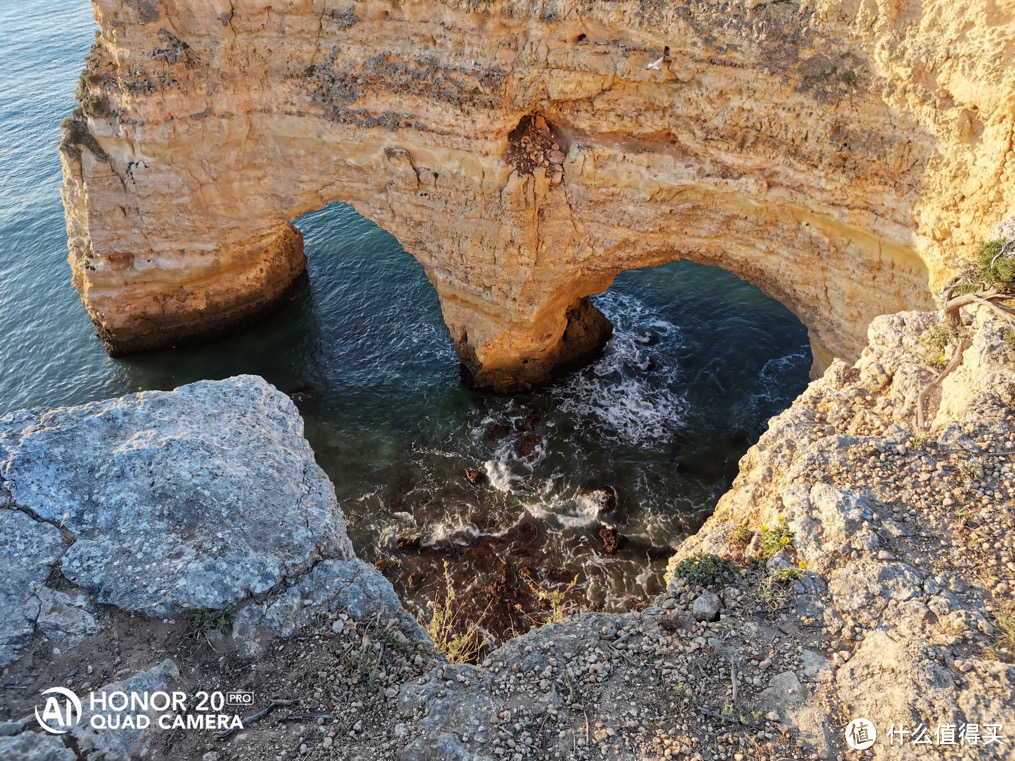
526, 419
612, 541
395, 503
497, 431
603, 496
303, 396
409, 542
523, 538
415, 580
476, 477
386, 564
527, 444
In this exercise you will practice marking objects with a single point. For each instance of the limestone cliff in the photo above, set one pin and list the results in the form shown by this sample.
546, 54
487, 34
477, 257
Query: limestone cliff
843, 155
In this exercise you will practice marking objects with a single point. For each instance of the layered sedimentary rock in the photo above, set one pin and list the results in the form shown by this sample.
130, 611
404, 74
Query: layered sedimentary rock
842, 155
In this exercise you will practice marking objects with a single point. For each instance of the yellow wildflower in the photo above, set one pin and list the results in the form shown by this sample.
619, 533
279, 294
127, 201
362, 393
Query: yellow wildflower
803, 564
764, 528
785, 540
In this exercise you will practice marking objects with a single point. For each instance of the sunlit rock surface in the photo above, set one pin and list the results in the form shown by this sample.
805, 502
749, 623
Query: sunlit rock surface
841, 155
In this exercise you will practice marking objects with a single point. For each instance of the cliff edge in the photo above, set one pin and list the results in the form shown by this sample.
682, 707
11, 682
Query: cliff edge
860, 567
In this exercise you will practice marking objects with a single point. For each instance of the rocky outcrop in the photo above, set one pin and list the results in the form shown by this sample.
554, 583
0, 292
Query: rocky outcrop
162, 504
858, 568
901, 531
843, 156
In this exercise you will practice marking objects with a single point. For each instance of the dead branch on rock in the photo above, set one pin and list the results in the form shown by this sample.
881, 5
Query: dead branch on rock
922, 397
255, 718
951, 311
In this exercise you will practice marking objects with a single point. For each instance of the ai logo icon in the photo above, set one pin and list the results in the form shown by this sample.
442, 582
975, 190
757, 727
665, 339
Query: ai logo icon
61, 713
860, 734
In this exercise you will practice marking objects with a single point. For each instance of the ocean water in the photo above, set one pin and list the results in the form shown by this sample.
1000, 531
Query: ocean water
683, 388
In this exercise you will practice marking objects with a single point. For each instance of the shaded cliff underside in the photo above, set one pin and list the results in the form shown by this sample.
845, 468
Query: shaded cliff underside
866, 569
842, 156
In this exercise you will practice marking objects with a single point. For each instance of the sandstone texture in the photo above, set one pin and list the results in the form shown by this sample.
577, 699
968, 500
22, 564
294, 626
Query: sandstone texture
844, 155
166, 503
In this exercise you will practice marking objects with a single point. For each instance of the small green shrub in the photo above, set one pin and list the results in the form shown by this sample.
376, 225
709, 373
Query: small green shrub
1005, 619
776, 538
786, 575
937, 340
741, 536
1009, 339
204, 623
705, 570
364, 665
997, 263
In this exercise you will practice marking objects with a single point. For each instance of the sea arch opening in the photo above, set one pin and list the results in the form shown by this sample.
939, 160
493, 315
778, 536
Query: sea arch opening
598, 474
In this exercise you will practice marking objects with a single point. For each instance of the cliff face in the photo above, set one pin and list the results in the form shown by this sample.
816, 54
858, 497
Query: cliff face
843, 155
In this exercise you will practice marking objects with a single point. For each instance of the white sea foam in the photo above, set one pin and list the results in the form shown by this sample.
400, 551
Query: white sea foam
583, 512
773, 376
615, 393
500, 475
451, 533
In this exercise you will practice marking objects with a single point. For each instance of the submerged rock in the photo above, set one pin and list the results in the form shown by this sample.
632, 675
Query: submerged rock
528, 444
497, 431
612, 540
602, 496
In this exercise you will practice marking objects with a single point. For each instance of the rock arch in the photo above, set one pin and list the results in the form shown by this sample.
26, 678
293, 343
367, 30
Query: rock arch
843, 157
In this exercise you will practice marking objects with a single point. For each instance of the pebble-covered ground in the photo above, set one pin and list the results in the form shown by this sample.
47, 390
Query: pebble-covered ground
861, 567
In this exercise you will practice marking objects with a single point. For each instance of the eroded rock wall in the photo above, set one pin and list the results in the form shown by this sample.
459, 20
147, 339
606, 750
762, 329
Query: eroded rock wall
842, 155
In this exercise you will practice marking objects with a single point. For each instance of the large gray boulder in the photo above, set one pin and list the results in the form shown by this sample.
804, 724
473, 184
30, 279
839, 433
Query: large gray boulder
28, 551
177, 500
161, 503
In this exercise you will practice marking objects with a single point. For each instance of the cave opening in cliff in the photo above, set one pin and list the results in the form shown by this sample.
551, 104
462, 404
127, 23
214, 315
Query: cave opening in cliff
597, 476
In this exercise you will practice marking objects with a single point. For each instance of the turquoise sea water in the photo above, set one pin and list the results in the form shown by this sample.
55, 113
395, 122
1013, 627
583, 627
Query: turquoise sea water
682, 390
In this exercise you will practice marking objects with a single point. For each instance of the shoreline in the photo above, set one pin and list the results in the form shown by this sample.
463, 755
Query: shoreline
797, 630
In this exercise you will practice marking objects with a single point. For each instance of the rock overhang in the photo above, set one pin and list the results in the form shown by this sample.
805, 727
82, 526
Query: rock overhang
779, 141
